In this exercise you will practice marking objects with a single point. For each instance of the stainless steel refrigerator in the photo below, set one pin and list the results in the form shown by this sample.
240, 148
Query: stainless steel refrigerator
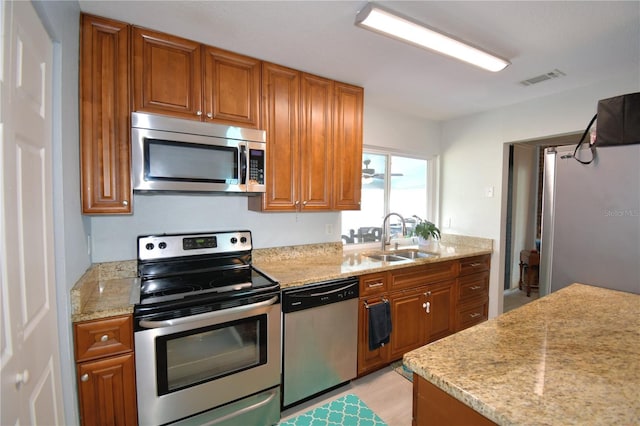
591, 219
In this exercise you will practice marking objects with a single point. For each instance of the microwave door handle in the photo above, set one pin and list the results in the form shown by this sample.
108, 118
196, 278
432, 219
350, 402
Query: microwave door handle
243, 164
206, 315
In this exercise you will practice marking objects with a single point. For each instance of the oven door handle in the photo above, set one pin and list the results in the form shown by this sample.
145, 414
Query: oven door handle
207, 315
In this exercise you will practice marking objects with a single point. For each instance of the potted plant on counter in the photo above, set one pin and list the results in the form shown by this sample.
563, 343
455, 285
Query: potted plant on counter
426, 231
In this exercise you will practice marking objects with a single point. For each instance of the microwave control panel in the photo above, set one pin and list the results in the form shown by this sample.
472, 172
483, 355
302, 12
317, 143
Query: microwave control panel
256, 166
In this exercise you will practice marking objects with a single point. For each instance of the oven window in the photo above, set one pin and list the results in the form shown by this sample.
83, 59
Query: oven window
176, 161
197, 356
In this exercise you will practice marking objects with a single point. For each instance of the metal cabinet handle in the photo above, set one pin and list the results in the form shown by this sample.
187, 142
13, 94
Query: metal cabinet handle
427, 307
475, 287
209, 115
104, 338
198, 113
304, 203
84, 377
427, 294
476, 264
378, 284
125, 202
474, 315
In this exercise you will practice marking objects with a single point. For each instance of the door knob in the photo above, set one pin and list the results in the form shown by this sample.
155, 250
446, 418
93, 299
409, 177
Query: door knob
22, 378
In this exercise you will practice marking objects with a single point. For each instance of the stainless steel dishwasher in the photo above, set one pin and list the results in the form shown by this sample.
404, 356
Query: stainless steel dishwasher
320, 338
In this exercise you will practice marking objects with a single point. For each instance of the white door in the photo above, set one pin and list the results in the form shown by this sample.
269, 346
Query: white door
30, 365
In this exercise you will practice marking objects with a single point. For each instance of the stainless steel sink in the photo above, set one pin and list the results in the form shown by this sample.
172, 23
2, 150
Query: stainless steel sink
385, 257
414, 254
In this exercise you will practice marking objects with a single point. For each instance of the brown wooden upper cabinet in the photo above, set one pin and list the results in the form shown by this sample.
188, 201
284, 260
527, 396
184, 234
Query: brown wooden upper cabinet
347, 142
104, 116
185, 79
314, 140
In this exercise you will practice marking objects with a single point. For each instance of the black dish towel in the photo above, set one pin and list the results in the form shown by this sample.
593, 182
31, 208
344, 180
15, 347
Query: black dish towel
379, 325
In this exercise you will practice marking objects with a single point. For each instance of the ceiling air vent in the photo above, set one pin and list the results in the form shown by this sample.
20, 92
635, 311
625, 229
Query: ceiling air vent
543, 77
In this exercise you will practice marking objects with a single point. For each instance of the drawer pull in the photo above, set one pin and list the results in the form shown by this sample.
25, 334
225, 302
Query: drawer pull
475, 287
378, 284
427, 294
84, 377
475, 315
476, 264
427, 307
104, 338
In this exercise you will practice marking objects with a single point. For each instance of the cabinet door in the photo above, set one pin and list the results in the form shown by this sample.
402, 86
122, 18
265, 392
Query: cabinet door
231, 88
441, 310
167, 74
409, 321
316, 149
369, 360
281, 102
347, 142
107, 391
104, 116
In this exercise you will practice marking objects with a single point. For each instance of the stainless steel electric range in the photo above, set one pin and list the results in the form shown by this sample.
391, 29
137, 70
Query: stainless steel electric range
207, 332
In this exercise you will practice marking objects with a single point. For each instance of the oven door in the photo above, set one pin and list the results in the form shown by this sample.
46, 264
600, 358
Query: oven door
188, 365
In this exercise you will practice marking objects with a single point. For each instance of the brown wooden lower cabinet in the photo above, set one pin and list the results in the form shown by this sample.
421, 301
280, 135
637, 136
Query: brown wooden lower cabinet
434, 407
108, 391
369, 360
105, 366
428, 302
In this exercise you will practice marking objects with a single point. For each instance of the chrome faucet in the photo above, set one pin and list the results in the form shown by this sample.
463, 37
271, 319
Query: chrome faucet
384, 228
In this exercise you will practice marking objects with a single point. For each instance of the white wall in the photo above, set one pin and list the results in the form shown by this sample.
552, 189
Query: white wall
114, 237
473, 159
61, 18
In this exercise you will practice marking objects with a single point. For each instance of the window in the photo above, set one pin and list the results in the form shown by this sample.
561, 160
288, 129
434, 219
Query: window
391, 182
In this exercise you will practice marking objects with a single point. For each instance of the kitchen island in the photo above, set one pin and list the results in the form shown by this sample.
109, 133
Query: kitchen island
568, 358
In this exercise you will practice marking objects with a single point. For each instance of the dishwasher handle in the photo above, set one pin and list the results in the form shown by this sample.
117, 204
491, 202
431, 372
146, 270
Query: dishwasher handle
319, 294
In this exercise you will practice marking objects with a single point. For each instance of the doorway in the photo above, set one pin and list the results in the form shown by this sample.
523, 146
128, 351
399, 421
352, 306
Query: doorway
523, 216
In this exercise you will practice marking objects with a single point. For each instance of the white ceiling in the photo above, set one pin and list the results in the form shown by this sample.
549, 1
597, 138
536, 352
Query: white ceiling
588, 41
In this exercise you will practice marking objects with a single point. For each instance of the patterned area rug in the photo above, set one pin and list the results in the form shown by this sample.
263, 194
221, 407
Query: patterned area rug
346, 411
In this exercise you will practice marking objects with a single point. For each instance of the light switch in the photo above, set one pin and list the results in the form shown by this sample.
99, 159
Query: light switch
488, 191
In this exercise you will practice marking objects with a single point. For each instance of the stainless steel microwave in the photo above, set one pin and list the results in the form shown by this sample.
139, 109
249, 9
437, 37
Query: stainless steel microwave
171, 154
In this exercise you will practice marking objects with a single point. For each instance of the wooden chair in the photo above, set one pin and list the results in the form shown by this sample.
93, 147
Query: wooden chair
530, 264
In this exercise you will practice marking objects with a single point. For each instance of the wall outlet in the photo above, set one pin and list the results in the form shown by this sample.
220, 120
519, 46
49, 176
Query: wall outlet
328, 229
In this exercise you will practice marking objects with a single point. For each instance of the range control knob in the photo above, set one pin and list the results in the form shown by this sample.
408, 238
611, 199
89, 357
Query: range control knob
162, 245
234, 240
243, 240
149, 246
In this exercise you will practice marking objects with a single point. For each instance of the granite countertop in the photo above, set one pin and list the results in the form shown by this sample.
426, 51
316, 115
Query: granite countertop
109, 289
299, 265
568, 358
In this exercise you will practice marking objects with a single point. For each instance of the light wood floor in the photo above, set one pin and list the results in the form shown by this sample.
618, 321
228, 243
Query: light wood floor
386, 392
515, 298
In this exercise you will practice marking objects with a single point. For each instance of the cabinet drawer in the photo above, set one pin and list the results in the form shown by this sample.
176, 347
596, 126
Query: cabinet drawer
373, 284
472, 314
103, 337
473, 286
421, 275
475, 264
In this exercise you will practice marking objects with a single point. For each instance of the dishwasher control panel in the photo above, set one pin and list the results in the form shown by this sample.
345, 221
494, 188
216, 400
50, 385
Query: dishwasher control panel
319, 294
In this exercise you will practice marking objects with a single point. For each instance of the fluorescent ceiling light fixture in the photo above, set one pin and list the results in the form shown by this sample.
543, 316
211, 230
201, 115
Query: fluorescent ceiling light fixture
384, 22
